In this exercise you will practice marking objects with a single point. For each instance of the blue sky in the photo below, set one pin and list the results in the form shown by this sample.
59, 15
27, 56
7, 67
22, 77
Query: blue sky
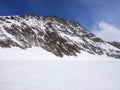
86, 12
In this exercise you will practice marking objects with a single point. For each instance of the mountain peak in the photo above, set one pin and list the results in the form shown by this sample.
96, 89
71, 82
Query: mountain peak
54, 34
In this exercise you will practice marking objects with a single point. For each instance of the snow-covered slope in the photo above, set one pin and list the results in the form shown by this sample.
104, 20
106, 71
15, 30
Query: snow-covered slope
39, 54
30, 56
116, 44
53, 34
37, 69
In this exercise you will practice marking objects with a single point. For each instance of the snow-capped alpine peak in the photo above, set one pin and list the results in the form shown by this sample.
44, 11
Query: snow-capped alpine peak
56, 35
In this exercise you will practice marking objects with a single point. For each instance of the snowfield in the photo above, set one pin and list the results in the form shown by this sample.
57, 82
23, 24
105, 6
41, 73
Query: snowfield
38, 54
37, 69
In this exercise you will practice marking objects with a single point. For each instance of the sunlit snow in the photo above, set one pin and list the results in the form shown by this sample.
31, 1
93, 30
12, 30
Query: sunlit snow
37, 69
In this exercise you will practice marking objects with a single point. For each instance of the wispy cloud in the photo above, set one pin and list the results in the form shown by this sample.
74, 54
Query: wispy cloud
107, 31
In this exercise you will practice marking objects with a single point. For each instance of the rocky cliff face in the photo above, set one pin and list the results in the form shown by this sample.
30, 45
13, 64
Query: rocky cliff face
56, 35
116, 44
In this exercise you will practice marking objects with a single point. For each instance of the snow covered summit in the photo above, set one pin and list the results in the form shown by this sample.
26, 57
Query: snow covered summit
53, 34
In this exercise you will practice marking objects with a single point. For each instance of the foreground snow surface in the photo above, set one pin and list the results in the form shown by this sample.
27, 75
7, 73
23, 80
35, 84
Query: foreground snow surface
38, 54
36, 69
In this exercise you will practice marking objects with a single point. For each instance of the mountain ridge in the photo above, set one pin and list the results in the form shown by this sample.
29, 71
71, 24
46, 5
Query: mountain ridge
54, 34
116, 44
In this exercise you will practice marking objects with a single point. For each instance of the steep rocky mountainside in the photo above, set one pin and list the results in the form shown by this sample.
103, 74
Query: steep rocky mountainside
116, 44
56, 35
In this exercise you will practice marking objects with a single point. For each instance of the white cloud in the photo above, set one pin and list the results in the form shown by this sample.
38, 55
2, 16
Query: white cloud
106, 31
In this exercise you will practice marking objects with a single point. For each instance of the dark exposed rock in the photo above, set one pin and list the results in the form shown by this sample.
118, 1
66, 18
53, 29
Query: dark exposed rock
116, 44
56, 35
